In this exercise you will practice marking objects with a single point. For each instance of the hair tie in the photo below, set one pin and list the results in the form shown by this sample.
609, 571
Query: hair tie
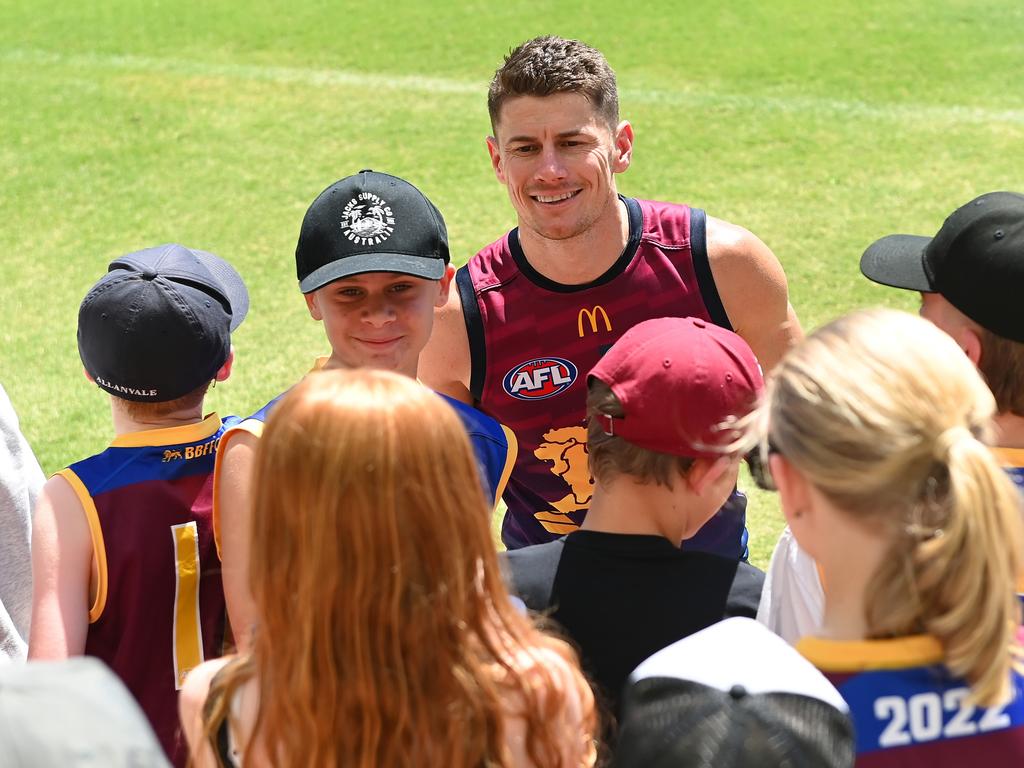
950, 437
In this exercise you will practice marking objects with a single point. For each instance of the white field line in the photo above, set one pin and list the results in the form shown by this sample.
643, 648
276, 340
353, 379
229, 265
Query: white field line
902, 113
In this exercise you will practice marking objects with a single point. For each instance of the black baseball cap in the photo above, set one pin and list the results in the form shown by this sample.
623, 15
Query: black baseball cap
731, 696
976, 262
370, 222
158, 324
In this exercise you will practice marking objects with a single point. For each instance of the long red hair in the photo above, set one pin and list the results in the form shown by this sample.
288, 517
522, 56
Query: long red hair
386, 633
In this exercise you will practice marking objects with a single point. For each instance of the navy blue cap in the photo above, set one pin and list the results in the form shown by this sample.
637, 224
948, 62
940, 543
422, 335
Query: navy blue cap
158, 324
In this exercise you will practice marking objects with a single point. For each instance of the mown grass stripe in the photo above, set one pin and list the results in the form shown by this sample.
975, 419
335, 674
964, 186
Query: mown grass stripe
901, 113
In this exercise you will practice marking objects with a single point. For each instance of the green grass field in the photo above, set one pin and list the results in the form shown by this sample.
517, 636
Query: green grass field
123, 124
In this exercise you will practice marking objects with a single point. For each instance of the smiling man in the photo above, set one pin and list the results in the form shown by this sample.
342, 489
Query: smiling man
372, 262
534, 311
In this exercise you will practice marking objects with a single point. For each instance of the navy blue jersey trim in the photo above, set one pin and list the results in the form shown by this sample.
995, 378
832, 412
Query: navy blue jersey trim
116, 468
474, 330
702, 268
636, 227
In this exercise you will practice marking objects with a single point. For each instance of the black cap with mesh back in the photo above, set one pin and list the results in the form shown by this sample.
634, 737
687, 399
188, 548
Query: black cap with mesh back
672, 723
732, 696
975, 261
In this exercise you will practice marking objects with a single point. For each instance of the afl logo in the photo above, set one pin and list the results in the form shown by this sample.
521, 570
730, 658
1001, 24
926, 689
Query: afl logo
367, 220
540, 378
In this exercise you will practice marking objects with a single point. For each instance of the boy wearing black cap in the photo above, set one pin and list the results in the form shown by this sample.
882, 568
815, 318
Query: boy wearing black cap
664, 454
124, 564
971, 279
731, 696
372, 263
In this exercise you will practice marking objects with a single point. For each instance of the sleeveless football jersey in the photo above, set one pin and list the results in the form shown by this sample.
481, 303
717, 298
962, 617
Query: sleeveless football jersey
533, 341
1012, 460
493, 444
159, 606
909, 711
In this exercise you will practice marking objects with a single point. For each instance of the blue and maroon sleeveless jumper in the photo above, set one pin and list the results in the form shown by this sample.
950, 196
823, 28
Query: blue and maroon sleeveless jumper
533, 341
159, 605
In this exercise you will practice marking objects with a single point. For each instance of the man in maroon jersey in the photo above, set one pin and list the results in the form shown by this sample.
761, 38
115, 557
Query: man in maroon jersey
535, 310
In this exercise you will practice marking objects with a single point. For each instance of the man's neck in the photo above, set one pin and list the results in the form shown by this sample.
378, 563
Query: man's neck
1009, 430
626, 506
125, 424
583, 258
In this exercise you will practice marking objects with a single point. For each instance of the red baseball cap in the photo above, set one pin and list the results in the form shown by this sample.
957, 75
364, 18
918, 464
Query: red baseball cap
679, 380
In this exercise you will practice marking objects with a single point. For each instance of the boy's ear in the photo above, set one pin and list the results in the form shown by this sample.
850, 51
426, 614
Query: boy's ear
704, 472
445, 286
88, 376
225, 370
970, 343
312, 305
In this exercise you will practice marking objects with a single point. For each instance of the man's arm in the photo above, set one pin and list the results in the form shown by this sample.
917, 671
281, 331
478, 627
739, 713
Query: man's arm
233, 499
753, 290
444, 364
62, 556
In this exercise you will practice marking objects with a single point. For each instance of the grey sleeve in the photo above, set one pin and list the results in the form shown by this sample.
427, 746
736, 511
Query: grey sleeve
20, 482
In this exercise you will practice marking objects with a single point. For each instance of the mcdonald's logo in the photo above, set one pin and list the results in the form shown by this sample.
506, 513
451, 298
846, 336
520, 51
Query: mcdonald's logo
592, 315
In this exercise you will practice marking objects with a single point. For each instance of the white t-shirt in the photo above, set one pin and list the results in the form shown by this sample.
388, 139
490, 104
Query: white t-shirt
792, 601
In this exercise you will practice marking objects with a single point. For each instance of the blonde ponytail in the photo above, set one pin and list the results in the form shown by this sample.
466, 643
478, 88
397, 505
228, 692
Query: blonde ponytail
885, 415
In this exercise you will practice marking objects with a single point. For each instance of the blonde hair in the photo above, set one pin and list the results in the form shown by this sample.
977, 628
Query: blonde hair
886, 416
387, 636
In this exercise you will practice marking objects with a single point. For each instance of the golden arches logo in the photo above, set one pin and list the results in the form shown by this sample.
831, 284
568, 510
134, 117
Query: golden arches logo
592, 315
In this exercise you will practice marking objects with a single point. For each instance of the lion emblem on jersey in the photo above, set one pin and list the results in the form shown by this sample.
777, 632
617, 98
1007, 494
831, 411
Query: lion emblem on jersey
367, 219
566, 449
171, 456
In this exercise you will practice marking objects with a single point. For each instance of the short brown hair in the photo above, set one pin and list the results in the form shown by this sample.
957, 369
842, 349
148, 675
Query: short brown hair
548, 65
1002, 365
609, 456
137, 409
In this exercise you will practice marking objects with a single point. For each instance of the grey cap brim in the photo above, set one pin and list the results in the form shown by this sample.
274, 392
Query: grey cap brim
427, 267
898, 261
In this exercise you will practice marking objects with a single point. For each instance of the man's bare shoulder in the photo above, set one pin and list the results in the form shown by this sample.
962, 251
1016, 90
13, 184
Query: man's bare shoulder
753, 289
734, 252
445, 362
